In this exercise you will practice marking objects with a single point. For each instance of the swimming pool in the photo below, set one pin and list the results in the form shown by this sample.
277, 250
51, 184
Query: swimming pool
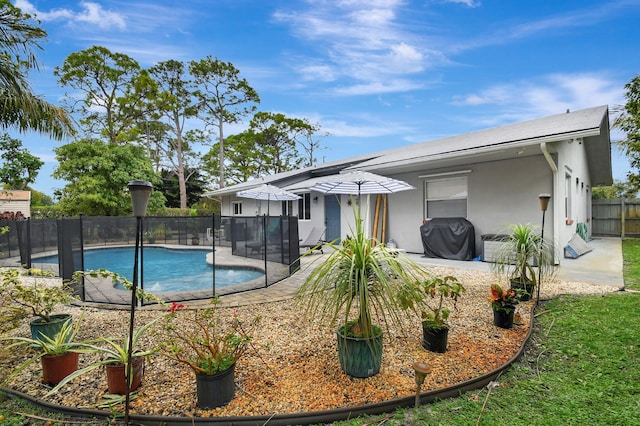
165, 269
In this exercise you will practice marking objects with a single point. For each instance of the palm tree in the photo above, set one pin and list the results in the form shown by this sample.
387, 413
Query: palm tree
20, 108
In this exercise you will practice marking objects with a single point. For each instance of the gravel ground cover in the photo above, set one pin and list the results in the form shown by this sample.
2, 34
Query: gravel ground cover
293, 364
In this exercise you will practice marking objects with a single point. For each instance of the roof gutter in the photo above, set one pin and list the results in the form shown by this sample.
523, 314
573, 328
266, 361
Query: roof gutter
478, 151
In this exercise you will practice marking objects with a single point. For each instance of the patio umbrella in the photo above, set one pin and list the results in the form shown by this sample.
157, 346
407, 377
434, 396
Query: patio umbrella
269, 193
359, 182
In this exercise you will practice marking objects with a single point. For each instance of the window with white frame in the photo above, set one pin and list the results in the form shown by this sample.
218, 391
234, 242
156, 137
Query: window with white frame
287, 208
567, 196
237, 208
446, 197
304, 206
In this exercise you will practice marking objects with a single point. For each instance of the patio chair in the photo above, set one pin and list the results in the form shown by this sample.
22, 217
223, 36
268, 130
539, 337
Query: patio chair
314, 240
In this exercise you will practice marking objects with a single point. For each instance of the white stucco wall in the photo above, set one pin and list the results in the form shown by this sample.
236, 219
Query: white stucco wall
499, 193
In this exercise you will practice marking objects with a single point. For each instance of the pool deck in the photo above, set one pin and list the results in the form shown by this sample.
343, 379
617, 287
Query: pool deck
603, 265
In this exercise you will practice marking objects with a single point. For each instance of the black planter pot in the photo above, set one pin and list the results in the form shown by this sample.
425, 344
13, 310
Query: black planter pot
435, 339
215, 390
526, 289
359, 357
504, 319
40, 327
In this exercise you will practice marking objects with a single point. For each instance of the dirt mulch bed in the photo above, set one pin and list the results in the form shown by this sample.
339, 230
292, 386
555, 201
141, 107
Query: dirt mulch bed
293, 365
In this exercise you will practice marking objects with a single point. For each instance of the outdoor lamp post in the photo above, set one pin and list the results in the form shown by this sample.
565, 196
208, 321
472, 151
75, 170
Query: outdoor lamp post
544, 203
421, 369
140, 191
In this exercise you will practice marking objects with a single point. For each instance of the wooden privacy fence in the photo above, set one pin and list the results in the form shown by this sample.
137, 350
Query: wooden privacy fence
619, 217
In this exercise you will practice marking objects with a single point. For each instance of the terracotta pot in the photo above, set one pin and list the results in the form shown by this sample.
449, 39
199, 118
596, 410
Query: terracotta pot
57, 367
117, 376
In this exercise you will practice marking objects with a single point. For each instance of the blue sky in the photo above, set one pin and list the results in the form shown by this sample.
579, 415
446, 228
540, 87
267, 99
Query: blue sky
374, 74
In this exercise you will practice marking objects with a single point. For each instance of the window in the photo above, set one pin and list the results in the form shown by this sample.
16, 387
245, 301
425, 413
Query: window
567, 196
446, 197
304, 206
237, 208
287, 208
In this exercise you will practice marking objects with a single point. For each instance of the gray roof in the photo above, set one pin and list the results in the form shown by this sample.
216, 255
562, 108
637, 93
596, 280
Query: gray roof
589, 125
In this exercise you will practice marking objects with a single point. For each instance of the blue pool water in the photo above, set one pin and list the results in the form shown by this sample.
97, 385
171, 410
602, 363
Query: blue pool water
165, 269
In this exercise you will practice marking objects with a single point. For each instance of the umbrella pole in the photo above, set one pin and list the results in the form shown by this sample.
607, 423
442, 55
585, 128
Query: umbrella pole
376, 219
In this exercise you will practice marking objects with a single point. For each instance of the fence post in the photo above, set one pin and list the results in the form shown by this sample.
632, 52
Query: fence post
622, 217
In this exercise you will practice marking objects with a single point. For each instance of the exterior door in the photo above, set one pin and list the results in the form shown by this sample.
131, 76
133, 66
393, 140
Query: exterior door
332, 217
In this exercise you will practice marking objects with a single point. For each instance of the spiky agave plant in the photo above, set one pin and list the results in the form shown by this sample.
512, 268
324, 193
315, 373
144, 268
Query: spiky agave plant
360, 280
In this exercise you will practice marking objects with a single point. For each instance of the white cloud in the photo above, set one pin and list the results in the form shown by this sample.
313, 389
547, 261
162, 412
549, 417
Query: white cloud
546, 95
91, 13
468, 3
361, 42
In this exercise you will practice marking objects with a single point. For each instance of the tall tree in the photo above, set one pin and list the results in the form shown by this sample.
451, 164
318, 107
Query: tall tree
629, 122
20, 108
223, 97
172, 106
244, 159
97, 173
113, 89
170, 188
280, 136
20, 168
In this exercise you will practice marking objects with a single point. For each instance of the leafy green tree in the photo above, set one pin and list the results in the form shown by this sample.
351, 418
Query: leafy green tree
170, 187
172, 105
279, 137
617, 190
244, 160
114, 92
223, 98
20, 167
629, 122
20, 108
40, 199
98, 173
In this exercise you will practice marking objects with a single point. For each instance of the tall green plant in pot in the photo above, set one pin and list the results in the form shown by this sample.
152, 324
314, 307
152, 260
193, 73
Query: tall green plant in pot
357, 283
24, 295
522, 255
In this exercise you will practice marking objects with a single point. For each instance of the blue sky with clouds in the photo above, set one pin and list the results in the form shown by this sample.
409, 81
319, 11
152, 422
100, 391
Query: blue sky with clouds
374, 74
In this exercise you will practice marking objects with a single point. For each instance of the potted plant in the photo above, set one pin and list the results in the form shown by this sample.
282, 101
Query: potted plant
503, 303
357, 280
115, 351
115, 357
518, 255
435, 329
201, 340
39, 300
58, 355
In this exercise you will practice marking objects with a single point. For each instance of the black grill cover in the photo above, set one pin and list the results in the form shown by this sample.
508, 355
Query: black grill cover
449, 238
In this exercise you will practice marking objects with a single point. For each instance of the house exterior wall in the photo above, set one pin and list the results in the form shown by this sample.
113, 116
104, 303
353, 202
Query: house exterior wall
573, 182
499, 193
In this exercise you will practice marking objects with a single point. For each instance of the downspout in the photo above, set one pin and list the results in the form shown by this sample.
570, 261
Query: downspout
554, 196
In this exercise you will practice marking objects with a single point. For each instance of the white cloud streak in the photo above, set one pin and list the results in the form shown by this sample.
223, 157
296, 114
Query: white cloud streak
90, 13
547, 95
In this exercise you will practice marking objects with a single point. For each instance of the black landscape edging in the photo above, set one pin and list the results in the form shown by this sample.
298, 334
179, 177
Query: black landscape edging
303, 418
